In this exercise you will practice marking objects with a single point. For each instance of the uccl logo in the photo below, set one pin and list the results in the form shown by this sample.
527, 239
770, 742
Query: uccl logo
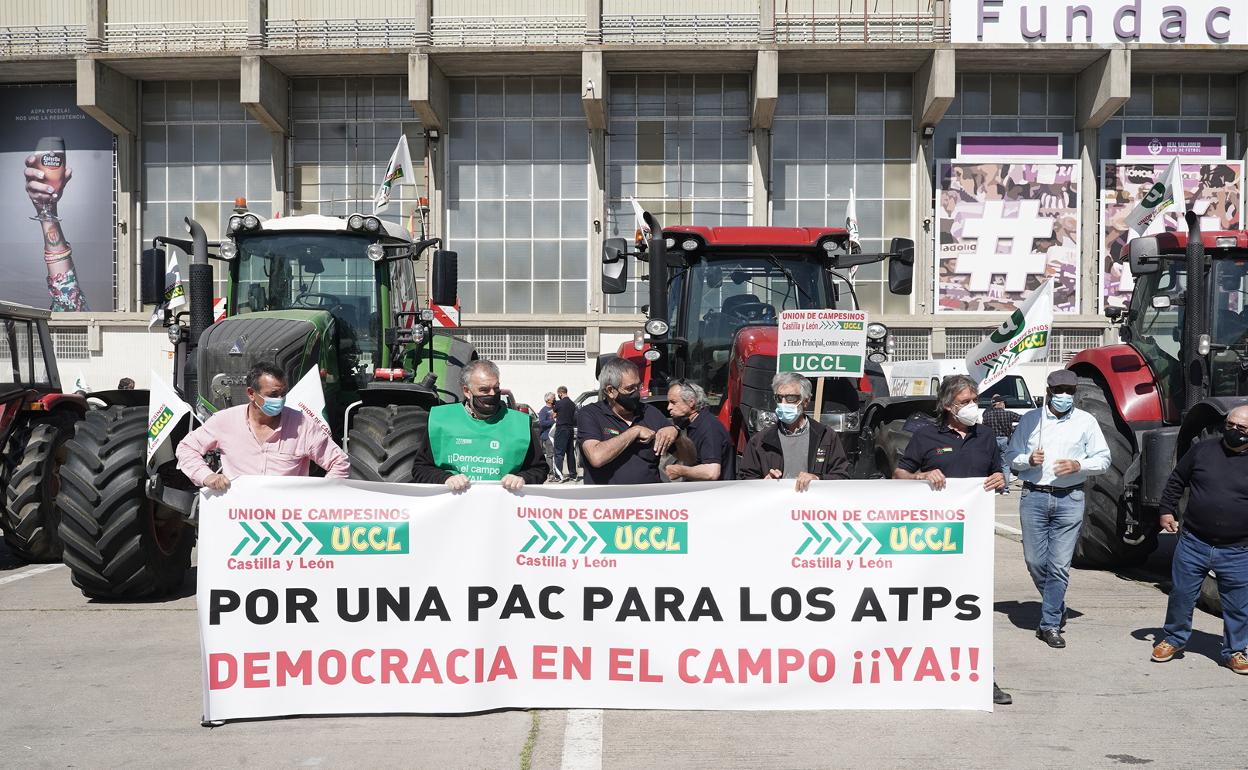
881, 538
322, 538
609, 537
159, 423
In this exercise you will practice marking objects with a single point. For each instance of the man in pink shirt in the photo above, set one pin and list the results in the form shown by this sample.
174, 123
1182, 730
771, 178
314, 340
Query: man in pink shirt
260, 438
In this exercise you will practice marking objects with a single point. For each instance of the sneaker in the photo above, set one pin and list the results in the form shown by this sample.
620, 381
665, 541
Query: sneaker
1238, 662
1163, 651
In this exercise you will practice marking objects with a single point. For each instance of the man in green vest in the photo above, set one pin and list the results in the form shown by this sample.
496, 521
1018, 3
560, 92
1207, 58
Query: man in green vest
480, 439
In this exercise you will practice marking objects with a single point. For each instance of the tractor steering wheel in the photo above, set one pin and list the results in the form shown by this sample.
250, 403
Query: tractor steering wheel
749, 313
324, 301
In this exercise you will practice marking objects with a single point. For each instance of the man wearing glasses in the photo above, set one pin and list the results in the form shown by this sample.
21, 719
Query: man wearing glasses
796, 448
1053, 450
1214, 537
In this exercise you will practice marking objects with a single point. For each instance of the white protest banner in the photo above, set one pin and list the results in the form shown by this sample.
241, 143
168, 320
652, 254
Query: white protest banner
164, 411
1022, 337
822, 343
319, 596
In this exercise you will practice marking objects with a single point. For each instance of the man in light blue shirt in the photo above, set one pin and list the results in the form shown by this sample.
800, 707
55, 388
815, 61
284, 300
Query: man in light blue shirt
1053, 450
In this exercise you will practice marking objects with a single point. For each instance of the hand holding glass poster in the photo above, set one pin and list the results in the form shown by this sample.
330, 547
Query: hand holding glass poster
1003, 229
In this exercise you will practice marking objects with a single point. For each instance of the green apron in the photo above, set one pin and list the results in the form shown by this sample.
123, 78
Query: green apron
482, 450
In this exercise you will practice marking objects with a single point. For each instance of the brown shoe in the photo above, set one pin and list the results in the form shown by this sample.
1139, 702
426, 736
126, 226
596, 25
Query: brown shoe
1238, 663
1163, 651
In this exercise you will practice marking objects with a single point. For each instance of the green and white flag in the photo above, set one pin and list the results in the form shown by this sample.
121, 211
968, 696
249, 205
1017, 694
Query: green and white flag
398, 171
164, 411
308, 396
1022, 337
1165, 192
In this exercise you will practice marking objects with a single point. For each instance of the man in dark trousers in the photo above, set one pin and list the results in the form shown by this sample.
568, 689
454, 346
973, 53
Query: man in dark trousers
565, 427
797, 447
714, 458
622, 437
1002, 422
1214, 536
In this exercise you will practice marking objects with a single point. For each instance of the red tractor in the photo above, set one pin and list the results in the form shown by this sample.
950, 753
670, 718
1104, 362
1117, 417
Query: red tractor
715, 296
1181, 366
36, 419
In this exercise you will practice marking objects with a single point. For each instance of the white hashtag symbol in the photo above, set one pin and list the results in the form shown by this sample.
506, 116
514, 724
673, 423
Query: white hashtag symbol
993, 226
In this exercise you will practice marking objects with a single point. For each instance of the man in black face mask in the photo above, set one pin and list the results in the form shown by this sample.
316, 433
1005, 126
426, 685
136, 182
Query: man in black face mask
480, 439
1214, 536
620, 437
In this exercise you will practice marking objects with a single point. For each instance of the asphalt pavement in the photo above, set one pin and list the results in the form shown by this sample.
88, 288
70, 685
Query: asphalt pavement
118, 685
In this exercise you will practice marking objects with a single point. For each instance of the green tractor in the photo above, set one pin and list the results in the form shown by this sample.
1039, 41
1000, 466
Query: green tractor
337, 294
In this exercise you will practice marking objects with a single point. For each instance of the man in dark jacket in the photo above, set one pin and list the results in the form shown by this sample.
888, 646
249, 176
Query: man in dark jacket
563, 434
797, 448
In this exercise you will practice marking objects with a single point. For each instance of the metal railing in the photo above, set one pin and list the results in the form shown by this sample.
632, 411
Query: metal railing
682, 29
922, 27
341, 33
176, 36
43, 41
508, 30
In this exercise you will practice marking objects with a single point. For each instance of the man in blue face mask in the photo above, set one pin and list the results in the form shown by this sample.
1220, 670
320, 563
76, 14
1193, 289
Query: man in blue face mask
796, 447
1053, 450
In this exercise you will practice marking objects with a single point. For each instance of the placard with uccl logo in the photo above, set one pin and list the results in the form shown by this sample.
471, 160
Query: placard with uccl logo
320, 596
822, 343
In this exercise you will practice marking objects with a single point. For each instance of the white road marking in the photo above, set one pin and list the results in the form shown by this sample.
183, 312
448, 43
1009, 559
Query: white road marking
1007, 528
28, 573
582, 740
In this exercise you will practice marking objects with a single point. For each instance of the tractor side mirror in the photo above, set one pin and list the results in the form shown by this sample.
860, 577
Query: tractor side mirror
152, 276
1161, 302
1145, 255
614, 271
613, 250
901, 266
445, 278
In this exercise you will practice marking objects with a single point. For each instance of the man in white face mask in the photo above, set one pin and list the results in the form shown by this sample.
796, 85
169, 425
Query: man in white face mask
1053, 450
957, 447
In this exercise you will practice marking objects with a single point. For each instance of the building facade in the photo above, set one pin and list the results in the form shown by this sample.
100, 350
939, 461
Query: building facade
534, 123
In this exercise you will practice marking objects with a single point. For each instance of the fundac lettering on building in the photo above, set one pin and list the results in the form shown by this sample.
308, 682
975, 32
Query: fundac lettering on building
1102, 22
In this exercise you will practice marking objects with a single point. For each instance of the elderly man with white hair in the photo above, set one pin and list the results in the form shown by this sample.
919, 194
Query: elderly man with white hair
714, 457
797, 447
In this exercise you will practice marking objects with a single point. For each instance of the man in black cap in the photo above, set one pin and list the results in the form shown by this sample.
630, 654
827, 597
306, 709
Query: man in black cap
1002, 422
1054, 449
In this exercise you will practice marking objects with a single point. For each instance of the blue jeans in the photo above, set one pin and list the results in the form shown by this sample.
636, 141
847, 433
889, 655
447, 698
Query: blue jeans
1051, 525
564, 450
1002, 443
1193, 558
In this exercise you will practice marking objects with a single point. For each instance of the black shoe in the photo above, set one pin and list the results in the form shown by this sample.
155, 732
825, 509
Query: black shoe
1051, 637
1000, 697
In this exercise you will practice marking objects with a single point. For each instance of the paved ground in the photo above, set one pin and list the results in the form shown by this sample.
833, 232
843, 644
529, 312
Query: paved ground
90, 685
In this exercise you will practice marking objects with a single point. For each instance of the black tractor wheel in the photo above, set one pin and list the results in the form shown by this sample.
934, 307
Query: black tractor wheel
1100, 543
383, 440
118, 543
31, 518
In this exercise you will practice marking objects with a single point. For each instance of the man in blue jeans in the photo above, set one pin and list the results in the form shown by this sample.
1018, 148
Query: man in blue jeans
1214, 473
1054, 449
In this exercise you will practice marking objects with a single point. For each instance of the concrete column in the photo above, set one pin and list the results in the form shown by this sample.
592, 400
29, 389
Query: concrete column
277, 174
1241, 118
257, 23
97, 25
264, 92
598, 215
766, 22
935, 85
428, 91
594, 89
762, 113
1102, 89
422, 12
593, 22
108, 96
129, 234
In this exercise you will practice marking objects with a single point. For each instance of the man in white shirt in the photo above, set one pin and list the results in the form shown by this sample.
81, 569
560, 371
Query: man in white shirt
1053, 450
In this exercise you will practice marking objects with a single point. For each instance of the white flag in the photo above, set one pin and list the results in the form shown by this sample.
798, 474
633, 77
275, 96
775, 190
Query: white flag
1023, 337
175, 292
1165, 192
309, 397
164, 411
80, 383
639, 214
398, 171
851, 221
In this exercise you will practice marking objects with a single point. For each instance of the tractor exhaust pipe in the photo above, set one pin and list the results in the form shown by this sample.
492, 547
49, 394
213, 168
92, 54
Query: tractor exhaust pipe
201, 305
1197, 325
660, 369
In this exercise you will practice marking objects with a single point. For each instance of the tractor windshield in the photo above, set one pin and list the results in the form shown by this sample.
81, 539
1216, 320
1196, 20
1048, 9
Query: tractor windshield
727, 293
1156, 323
1228, 315
312, 271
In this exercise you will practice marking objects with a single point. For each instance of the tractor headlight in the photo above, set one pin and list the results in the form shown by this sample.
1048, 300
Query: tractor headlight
372, 224
689, 244
652, 354
250, 222
656, 327
761, 420
376, 252
841, 422
669, 243
175, 333
830, 245
228, 250
355, 222
876, 331
877, 356
234, 225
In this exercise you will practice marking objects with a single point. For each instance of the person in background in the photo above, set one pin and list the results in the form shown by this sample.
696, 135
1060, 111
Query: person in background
125, 383
480, 439
564, 432
621, 437
797, 447
1054, 449
545, 424
260, 438
1002, 422
714, 455
1214, 536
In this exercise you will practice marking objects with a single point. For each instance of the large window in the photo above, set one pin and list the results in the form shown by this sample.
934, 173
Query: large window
679, 145
1171, 104
834, 133
518, 195
1008, 104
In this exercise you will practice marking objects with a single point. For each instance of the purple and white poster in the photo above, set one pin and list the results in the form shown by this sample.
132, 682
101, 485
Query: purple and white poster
56, 200
1002, 229
1213, 189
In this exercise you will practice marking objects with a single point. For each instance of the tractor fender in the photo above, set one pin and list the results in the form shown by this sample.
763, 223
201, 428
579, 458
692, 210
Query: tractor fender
72, 401
1206, 415
1126, 378
889, 408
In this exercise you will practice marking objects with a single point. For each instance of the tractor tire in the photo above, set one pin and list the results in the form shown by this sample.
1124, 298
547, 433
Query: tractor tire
117, 545
31, 517
383, 441
1100, 544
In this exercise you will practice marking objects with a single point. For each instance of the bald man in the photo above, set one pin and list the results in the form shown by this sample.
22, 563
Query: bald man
1213, 536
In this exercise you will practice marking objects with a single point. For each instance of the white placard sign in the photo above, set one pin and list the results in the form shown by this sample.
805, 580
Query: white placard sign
822, 343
